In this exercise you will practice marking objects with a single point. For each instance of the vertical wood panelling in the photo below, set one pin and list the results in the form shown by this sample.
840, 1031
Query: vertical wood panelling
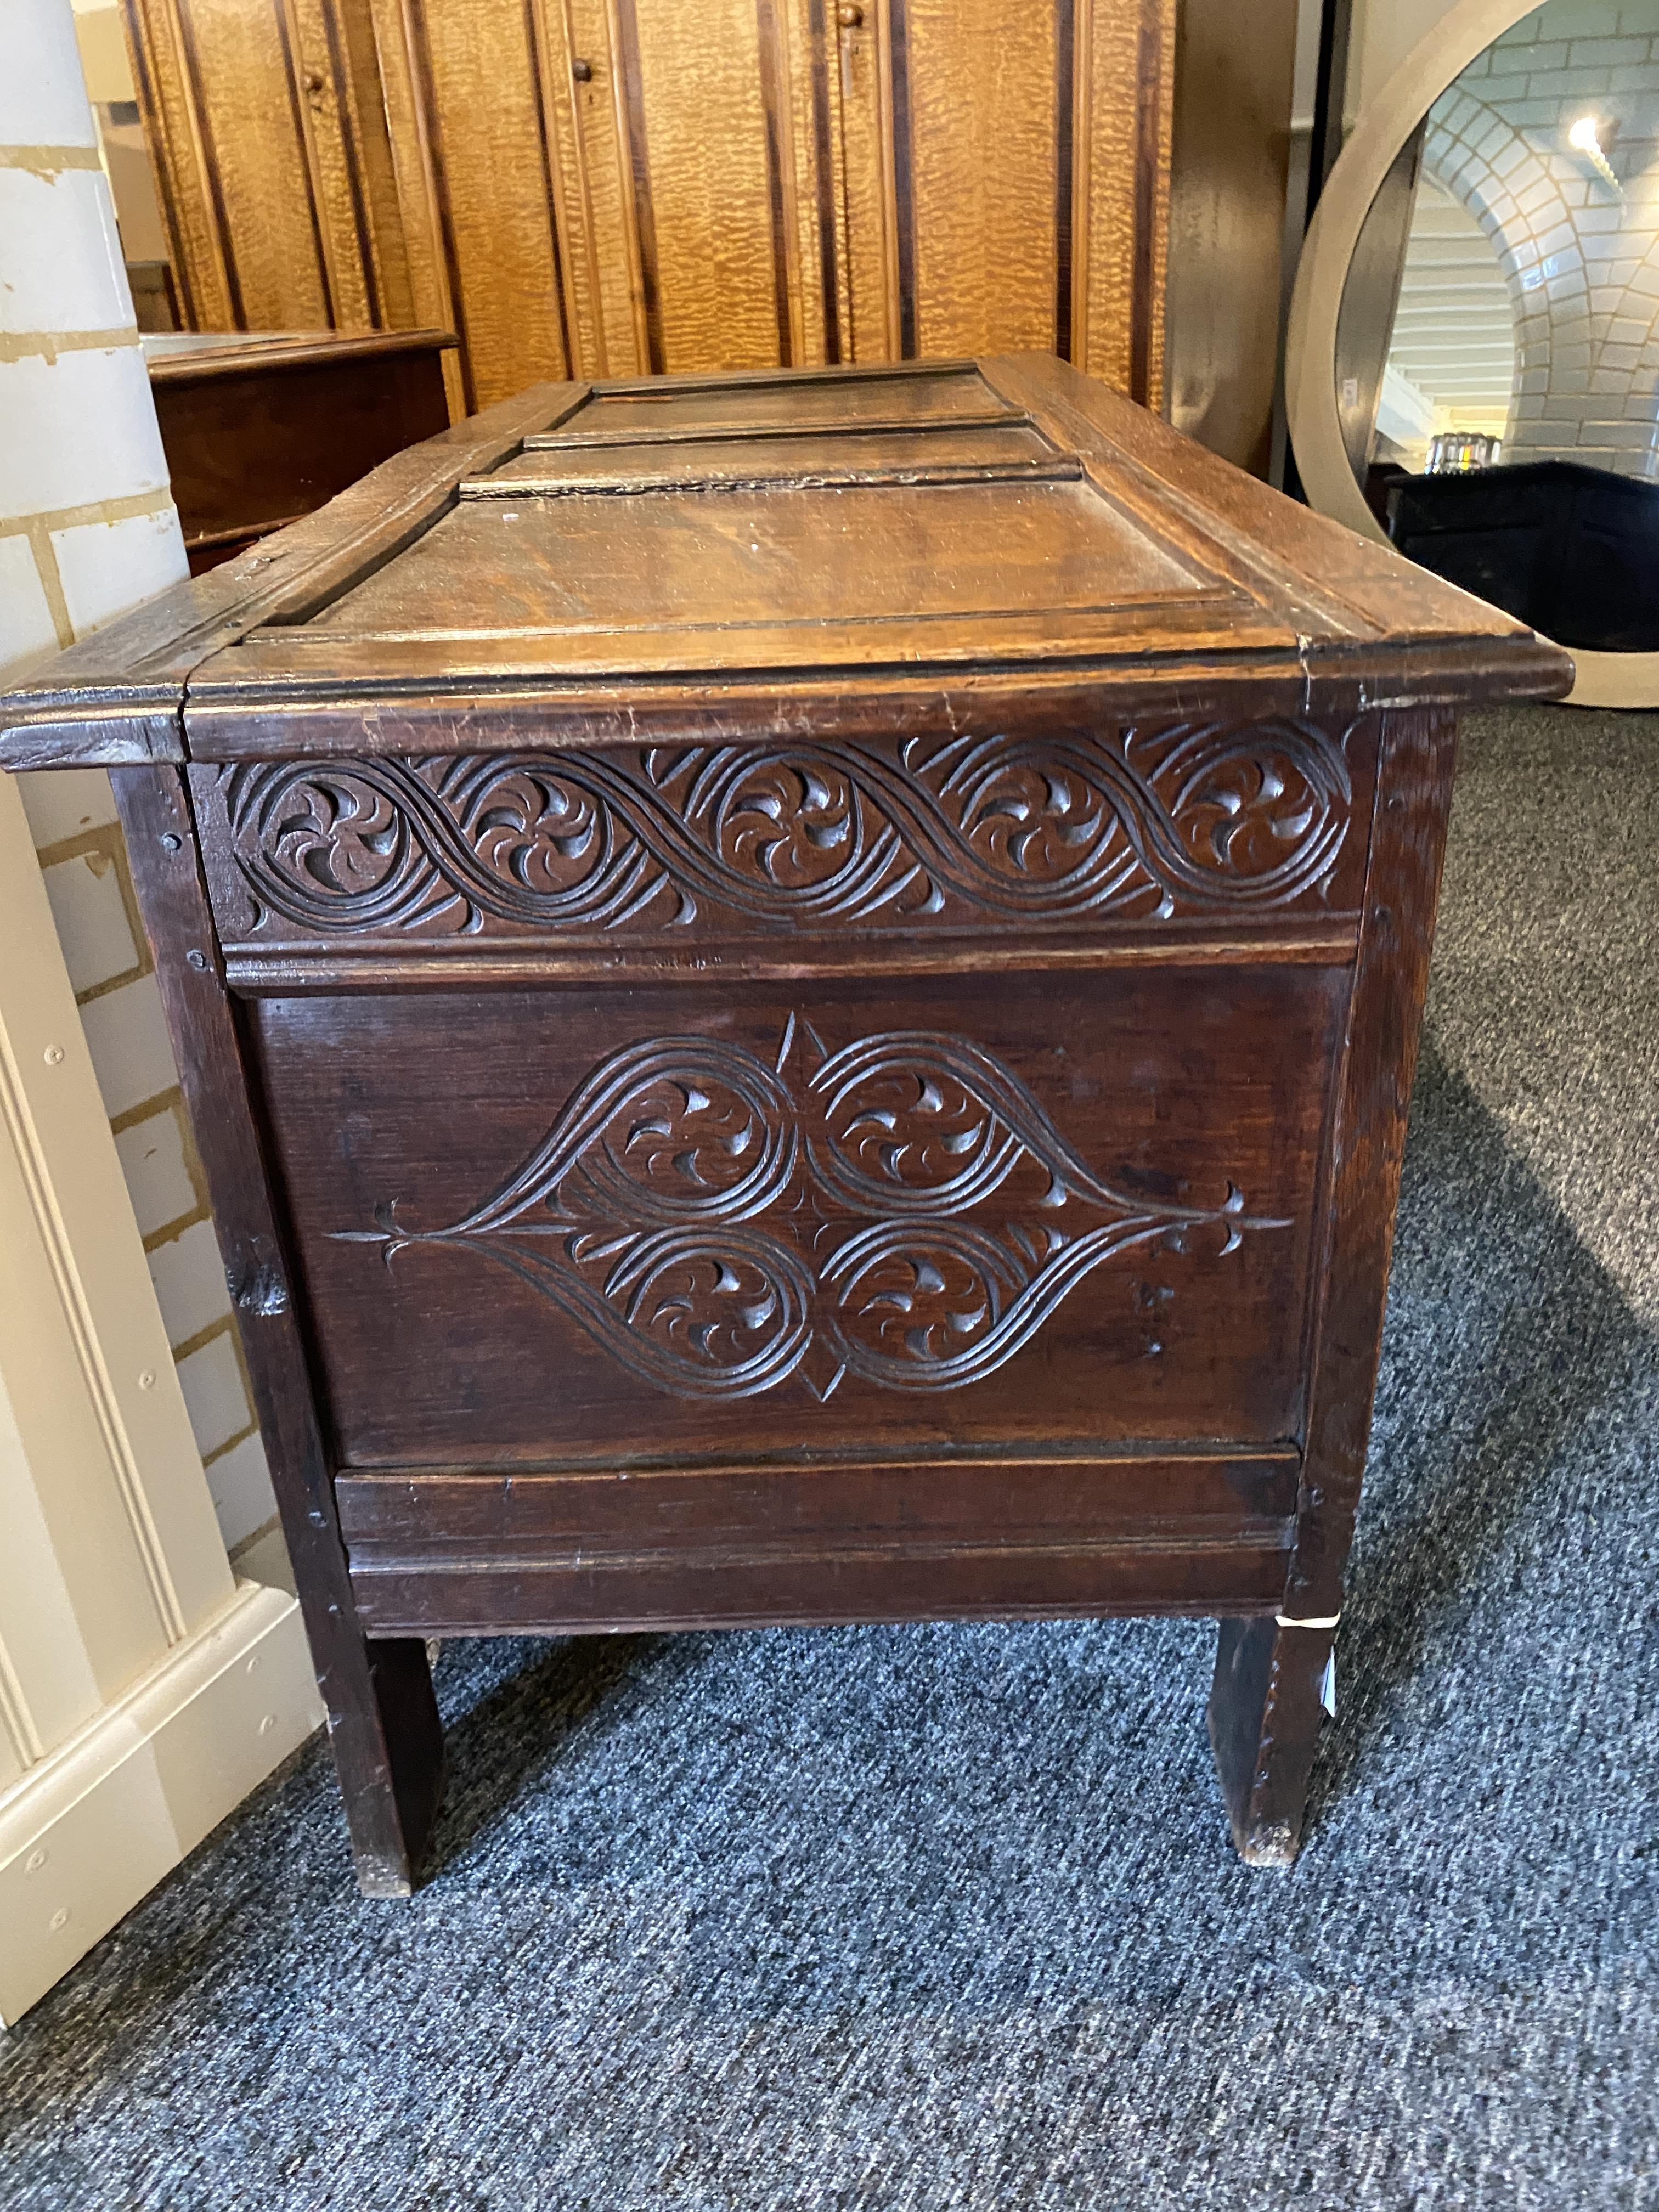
783, 206
362, 111
343, 112
1126, 54
607, 187
804, 131
494, 200
641, 237
441, 213
268, 134
1079, 242
980, 82
711, 225
339, 162
1154, 111
198, 124
536, 37
822, 131
1066, 122
604, 244
867, 192
193, 244
1003, 178
899, 166
413, 163
301, 116
576, 60
176, 133
1167, 15
255, 148
581, 324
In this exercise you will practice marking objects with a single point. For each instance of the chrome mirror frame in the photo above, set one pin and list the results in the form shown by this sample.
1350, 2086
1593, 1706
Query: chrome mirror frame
1388, 122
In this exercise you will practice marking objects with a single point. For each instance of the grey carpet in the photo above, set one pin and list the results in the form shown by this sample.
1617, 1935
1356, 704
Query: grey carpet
946, 1917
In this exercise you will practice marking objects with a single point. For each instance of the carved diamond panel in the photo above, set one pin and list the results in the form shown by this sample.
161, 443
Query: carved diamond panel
901, 1209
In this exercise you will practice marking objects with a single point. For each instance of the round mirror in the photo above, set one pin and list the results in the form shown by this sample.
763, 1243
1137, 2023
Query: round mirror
1475, 343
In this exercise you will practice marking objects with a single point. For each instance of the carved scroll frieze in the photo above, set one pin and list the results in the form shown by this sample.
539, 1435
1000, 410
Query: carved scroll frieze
1192, 818
901, 1209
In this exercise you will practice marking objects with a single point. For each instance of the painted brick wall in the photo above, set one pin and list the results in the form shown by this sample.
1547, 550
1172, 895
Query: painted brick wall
1581, 253
84, 862
87, 529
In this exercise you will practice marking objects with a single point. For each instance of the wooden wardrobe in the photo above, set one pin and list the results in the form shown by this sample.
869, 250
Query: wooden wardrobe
613, 187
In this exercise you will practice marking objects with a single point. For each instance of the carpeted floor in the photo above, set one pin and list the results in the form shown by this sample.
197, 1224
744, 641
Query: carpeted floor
947, 1916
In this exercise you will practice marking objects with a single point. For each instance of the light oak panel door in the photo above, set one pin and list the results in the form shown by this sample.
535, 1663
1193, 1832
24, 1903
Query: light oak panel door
620, 187
349, 159
978, 88
1005, 178
1124, 106
866, 187
717, 154
604, 271
481, 85
268, 138
685, 160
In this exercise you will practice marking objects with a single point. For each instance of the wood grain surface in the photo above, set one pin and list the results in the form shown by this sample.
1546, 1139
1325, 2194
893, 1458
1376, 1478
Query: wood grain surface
601, 186
479, 63
273, 161
715, 243
412, 161
446, 1351
1288, 612
599, 259
1126, 82
382, 1717
1103, 841
1265, 1702
984, 143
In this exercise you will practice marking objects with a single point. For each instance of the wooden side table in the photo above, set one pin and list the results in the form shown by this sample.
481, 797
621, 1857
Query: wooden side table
799, 994
262, 427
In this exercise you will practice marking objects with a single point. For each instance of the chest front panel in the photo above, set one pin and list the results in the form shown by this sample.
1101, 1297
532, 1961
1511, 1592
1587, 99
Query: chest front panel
599, 1224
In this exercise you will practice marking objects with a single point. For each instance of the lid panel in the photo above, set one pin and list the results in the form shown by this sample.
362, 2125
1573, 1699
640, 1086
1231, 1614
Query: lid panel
833, 551
738, 408
933, 450
890, 557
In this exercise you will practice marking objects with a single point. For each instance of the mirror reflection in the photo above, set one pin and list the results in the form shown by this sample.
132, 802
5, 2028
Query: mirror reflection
1498, 348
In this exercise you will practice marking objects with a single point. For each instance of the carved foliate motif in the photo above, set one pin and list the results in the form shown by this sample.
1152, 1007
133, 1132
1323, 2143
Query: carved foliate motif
1151, 821
901, 1209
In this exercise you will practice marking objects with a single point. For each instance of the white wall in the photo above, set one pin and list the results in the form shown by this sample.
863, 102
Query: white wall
144, 1686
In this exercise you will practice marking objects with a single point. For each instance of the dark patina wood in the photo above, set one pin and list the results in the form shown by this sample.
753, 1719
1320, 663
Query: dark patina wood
382, 1717
260, 430
799, 994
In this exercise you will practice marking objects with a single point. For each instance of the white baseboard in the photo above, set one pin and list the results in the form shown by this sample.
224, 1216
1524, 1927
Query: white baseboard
94, 1826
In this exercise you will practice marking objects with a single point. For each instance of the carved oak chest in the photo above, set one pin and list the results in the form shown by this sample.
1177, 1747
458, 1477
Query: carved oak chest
799, 994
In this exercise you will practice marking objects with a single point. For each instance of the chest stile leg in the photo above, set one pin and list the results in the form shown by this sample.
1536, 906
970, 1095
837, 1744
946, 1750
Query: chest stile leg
382, 1715
1265, 1702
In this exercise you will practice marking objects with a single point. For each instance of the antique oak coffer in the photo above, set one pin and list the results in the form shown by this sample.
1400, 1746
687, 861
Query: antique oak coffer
798, 995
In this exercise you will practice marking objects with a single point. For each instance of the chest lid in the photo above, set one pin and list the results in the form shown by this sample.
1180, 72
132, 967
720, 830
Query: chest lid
848, 545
